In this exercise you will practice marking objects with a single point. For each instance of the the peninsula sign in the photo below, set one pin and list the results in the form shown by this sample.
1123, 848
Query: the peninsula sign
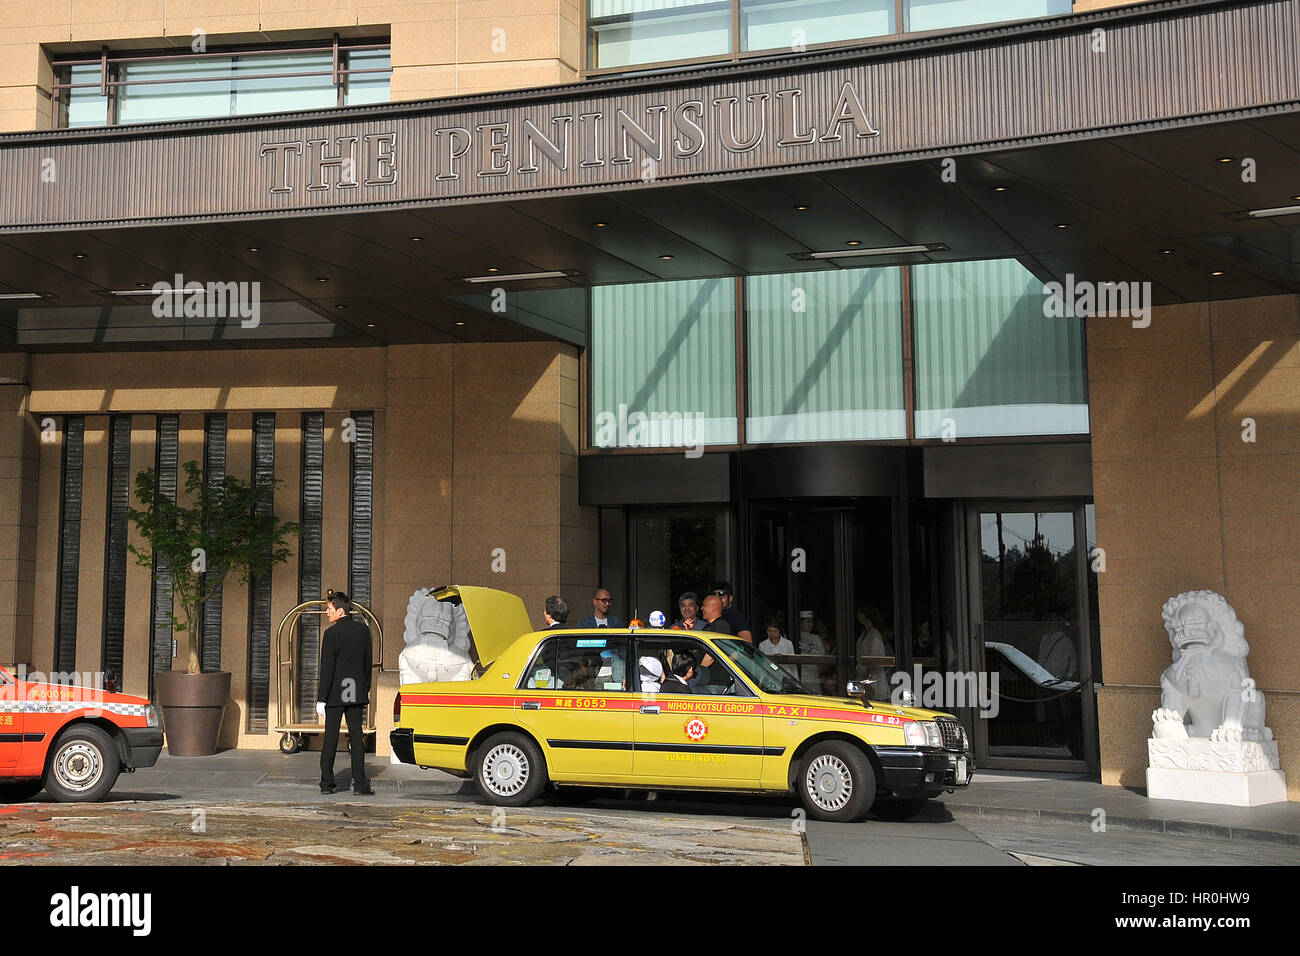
658, 139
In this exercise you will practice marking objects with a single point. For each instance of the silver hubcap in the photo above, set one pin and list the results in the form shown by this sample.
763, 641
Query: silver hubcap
829, 783
505, 770
78, 766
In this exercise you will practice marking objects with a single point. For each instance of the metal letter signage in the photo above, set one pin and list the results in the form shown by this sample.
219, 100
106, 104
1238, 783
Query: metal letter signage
529, 148
898, 102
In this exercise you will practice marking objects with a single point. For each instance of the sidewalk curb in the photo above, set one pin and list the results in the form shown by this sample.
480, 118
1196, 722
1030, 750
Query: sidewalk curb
1115, 821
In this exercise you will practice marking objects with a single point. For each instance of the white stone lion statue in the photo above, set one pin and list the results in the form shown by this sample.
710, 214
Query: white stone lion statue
438, 641
1207, 691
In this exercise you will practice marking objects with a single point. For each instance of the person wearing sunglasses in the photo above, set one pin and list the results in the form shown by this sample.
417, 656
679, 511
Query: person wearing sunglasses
600, 615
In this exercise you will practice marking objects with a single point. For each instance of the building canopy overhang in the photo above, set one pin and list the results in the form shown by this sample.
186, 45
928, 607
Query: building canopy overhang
1128, 145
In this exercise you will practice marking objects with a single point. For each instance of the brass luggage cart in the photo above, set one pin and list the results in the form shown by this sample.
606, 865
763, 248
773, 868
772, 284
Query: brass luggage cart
294, 731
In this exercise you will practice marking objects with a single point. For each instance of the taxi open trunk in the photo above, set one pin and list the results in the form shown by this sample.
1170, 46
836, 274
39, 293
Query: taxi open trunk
496, 618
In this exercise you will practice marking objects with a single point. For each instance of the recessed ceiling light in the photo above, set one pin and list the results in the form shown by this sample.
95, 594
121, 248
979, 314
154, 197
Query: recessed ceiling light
1217, 273
801, 208
493, 269
370, 325
853, 242
417, 238
1273, 211
254, 248
870, 251
322, 279
340, 307
523, 276
1225, 159
1295, 198
1166, 252
601, 225
1000, 189
460, 323
78, 255
1062, 225
142, 285
666, 258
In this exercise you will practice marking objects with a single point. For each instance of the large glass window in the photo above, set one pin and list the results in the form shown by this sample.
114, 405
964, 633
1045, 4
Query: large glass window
796, 24
628, 32
988, 361
631, 33
663, 364
168, 88
947, 14
825, 356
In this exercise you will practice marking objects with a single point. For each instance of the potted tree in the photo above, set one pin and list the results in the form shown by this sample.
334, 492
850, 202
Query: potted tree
228, 529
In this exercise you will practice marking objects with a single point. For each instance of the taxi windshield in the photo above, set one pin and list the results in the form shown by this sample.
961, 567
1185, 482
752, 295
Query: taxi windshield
770, 676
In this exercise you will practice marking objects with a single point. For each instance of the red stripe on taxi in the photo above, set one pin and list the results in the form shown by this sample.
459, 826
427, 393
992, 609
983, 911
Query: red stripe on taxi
669, 704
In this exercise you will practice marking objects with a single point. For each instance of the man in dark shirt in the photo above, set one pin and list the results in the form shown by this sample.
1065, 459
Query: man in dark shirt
712, 613
735, 620
601, 602
556, 612
343, 690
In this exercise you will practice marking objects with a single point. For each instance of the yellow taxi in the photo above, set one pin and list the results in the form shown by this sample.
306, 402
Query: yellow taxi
655, 709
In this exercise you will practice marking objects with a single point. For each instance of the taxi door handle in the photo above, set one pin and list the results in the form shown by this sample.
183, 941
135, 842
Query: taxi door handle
649, 708
531, 705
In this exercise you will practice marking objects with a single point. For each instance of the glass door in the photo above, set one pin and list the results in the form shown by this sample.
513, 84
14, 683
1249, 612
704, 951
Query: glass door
1031, 629
673, 552
822, 589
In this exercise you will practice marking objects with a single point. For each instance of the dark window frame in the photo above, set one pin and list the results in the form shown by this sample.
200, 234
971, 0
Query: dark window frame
737, 54
110, 80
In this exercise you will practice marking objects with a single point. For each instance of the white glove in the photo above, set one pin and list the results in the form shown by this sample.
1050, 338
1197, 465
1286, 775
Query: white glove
320, 708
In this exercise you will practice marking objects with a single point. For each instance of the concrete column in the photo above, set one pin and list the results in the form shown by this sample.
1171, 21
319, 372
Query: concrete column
19, 482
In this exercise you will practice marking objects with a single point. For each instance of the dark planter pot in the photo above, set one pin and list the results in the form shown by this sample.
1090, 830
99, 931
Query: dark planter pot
192, 706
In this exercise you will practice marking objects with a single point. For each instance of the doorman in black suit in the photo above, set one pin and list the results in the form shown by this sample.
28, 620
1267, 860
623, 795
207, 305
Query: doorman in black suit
343, 690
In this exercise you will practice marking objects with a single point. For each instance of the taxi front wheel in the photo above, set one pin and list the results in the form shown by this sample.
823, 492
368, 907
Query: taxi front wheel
84, 765
511, 771
836, 782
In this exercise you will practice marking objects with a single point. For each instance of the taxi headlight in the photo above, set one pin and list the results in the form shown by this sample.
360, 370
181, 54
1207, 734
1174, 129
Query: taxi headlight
152, 717
923, 733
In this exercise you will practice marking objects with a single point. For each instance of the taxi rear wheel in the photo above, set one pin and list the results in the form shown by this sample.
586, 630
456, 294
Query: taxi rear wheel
83, 765
510, 770
836, 782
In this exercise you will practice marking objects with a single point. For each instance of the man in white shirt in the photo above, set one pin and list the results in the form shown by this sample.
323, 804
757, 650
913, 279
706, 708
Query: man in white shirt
777, 643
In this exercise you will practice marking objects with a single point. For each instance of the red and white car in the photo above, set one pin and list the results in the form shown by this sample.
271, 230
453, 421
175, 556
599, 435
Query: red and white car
72, 741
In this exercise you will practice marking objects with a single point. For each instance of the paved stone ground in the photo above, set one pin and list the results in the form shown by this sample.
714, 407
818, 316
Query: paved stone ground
143, 832
257, 807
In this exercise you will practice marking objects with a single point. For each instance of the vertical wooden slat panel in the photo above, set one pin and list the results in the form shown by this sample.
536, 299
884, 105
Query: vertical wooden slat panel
115, 558
161, 633
66, 599
309, 558
214, 473
260, 624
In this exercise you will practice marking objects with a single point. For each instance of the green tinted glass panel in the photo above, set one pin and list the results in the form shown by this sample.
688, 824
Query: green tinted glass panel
663, 364
84, 106
628, 32
795, 24
825, 356
367, 87
988, 361
946, 14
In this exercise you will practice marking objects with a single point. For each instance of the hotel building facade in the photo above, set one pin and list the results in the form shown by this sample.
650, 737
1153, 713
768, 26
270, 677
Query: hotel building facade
957, 335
